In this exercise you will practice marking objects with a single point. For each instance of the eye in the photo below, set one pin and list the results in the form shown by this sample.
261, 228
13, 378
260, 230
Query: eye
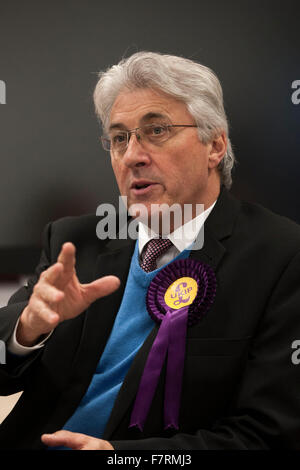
156, 130
159, 130
119, 138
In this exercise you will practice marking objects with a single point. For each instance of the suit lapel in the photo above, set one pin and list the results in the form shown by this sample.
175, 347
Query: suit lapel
218, 226
212, 251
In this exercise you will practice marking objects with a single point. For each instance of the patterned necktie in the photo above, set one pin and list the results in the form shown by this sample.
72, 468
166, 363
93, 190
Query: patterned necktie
154, 248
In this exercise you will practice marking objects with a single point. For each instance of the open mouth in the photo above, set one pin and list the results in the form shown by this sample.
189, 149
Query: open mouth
142, 187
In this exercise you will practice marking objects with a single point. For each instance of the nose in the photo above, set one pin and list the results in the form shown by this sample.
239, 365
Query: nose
136, 154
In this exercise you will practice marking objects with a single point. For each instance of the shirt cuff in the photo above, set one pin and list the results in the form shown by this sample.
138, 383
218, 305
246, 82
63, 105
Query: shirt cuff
15, 348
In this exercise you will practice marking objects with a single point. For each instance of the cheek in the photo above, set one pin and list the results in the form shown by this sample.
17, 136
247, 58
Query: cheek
117, 172
181, 168
198, 163
191, 173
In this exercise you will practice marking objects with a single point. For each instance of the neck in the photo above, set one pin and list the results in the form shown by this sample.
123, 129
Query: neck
166, 222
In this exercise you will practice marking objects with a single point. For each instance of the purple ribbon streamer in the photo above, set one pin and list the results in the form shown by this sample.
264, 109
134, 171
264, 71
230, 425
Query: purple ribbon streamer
175, 366
170, 340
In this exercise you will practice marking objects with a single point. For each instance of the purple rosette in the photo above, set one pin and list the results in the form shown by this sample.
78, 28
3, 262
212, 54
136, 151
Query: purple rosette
170, 340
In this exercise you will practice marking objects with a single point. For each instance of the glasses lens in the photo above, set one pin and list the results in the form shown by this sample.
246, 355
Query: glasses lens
118, 141
156, 133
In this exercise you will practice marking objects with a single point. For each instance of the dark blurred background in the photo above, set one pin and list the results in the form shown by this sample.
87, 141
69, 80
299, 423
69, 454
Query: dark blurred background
52, 163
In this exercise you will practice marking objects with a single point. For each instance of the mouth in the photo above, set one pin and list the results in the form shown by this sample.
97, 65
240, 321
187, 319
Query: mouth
142, 187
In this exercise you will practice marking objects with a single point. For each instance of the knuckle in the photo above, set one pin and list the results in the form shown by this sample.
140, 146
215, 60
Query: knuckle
44, 315
36, 308
35, 290
31, 303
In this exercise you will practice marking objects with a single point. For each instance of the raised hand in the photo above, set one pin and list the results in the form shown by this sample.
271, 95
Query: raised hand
59, 296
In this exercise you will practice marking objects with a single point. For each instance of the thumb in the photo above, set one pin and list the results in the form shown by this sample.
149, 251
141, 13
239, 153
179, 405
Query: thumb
100, 288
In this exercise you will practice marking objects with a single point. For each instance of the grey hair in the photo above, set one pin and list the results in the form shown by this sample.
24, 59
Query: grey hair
183, 79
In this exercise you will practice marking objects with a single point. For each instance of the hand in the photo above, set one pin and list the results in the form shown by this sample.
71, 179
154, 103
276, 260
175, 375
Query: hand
59, 296
75, 441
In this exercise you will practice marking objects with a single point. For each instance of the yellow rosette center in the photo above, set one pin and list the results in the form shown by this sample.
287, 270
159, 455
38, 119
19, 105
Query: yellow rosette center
181, 293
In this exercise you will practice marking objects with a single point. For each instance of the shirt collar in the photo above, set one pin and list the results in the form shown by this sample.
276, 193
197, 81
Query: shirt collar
182, 237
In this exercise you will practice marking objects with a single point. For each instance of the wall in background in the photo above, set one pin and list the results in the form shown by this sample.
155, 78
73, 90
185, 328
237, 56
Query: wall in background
52, 164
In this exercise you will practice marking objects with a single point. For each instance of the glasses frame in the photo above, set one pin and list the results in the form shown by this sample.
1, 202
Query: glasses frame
106, 142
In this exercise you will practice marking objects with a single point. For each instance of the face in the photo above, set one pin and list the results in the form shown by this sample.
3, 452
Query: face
177, 171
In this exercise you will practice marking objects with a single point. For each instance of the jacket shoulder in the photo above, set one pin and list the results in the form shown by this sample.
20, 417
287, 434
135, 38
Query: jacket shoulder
79, 230
270, 228
79, 223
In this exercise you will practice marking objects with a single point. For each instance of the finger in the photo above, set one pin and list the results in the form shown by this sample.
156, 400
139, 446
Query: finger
48, 293
73, 440
100, 288
67, 257
52, 274
40, 315
97, 444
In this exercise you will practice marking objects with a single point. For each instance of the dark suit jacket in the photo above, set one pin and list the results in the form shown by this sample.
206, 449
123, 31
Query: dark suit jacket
240, 387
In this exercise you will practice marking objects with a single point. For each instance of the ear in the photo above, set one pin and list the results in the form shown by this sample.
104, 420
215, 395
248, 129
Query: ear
218, 150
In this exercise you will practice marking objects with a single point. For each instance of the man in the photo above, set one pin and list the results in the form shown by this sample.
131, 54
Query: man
79, 339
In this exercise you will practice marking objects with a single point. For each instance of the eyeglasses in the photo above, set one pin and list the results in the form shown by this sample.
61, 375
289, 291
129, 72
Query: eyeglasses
118, 140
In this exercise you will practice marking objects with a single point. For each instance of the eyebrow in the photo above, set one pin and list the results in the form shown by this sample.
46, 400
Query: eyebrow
145, 118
